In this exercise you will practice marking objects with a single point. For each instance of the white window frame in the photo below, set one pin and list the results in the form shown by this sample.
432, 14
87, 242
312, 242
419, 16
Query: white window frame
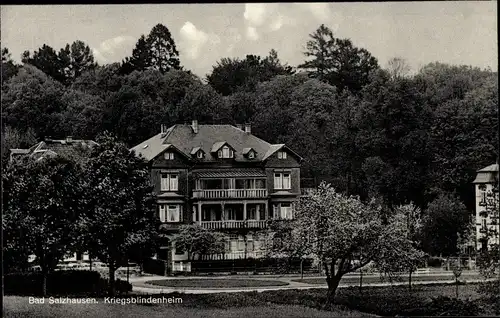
174, 213
281, 155
281, 182
169, 155
199, 154
251, 155
286, 212
169, 182
162, 213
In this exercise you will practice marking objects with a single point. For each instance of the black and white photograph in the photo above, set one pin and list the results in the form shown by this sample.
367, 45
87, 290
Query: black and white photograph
308, 159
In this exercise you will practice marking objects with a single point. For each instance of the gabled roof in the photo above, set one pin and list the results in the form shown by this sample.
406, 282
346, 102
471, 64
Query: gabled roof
247, 150
74, 148
274, 148
209, 138
219, 145
490, 168
195, 150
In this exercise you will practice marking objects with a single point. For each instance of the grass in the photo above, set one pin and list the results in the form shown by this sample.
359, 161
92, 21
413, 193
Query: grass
216, 283
18, 307
377, 279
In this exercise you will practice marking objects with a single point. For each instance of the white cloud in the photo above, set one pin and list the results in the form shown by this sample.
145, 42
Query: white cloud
321, 11
114, 49
255, 13
194, 39
277, 23
252, 33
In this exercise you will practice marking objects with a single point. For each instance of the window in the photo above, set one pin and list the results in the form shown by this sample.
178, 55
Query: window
169, 182
282, 181
199, 154
225, 152
251, 155
276, 211
169, 155
162, 213
241, 244
286, 211
178, 251
231, 214
252, 213
173, 213
250, 243
281, 155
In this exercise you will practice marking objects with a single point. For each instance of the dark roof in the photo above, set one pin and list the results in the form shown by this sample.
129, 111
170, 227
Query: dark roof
208, 136
229, 173
75, 149
488, 174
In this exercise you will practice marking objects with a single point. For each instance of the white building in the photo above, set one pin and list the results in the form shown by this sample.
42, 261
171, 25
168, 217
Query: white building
487, 214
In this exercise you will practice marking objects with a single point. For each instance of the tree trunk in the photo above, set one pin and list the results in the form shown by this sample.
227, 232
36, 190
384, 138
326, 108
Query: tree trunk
360, 280
301, 268
44, 283
111, 280
409, 280
456, 287
333, 283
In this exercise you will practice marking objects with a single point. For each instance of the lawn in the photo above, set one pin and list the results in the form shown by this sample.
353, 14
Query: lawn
18, 307
216, 283
377, 279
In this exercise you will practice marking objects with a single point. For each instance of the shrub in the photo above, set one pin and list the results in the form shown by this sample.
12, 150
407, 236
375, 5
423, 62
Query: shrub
490, 294
446, 306
75, 283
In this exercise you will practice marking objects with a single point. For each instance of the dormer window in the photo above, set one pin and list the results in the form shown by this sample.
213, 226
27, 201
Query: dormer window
249, 153
169, 155
199, 155
225, 152
281, 155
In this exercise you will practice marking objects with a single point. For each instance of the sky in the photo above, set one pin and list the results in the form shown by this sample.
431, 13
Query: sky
462, 32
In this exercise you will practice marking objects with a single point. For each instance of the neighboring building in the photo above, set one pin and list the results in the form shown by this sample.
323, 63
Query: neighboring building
223, 178
487, 198
71, 148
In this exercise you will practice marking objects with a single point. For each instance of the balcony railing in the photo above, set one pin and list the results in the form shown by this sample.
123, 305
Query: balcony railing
234, 255
229, 224
230, 193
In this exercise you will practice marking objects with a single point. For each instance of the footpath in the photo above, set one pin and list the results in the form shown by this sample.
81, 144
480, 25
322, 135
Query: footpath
139, 283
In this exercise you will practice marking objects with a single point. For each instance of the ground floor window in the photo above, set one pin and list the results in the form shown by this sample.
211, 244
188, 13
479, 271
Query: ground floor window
282, 211
170, 213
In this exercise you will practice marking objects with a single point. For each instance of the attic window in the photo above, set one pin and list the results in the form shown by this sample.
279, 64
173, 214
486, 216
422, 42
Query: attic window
199, 154
251, 155
281, 155
169, 155
225, 152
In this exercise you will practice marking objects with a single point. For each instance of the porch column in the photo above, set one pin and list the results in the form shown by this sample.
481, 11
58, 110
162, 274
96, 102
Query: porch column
222, 216
199, 213
257, 211
266, 207
245, 210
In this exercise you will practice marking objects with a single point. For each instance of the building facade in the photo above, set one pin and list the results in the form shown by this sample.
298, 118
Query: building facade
223, 178
487, 214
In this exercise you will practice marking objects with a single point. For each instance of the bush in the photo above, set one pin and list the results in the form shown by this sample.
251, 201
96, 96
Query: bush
74, 283
490, 294
446, 306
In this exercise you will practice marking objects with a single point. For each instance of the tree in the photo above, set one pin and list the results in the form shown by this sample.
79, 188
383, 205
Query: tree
156, 51
139, 61
398, 68
76, 59
234, 75
120, 208
337, 61
42, 205
31, 99
48, 61
338, 229
9, 67
444, 220
13, 138
198, 241
407, 256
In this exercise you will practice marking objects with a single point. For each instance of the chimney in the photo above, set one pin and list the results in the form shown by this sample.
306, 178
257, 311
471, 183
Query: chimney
239, 126
69, 139
195, 126
248, 128
163, 130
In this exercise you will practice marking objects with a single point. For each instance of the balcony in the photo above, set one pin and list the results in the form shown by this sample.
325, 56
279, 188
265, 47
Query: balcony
234, 255
239, 224
230, 193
